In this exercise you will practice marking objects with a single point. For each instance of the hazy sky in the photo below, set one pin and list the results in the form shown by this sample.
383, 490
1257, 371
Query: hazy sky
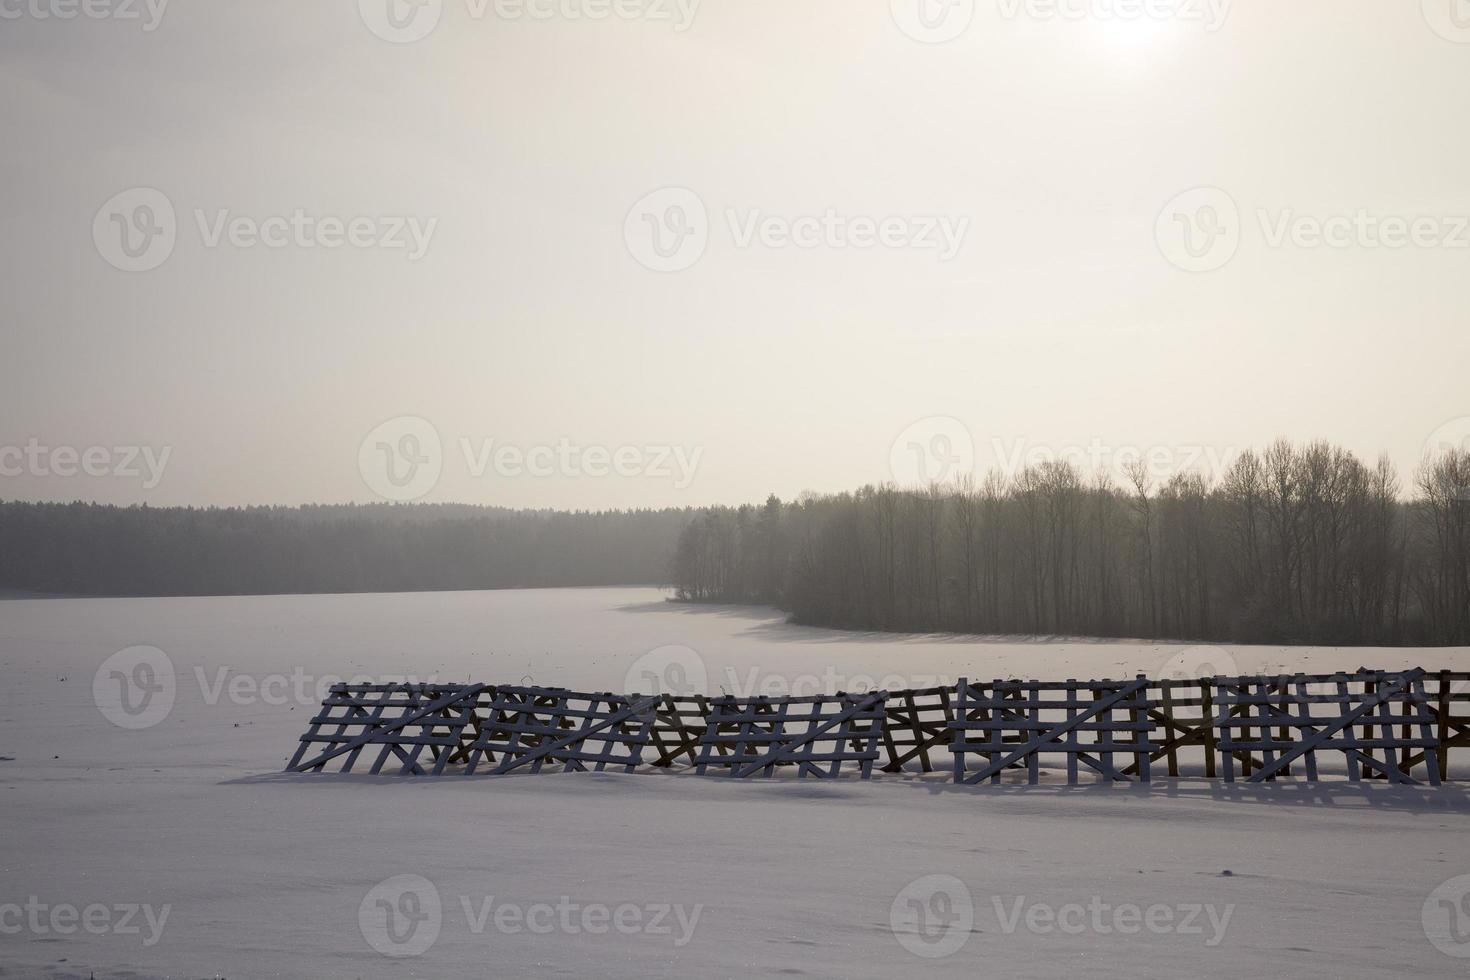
985, 233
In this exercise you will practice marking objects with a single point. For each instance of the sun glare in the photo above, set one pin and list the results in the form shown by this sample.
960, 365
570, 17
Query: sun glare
1132, 36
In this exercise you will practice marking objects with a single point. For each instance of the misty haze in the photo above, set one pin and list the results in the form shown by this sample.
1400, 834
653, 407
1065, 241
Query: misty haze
693, 488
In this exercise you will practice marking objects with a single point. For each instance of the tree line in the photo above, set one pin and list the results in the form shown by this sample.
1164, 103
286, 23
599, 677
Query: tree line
90, 549
1293, 544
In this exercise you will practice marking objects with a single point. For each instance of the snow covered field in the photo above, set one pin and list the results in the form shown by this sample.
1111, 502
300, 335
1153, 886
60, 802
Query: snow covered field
170, 845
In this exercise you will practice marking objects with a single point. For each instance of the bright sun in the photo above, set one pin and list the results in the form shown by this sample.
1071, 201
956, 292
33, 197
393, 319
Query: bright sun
1131, 46
1132, 35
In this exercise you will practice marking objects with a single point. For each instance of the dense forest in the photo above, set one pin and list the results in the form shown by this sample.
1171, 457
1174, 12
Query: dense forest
88, 549
1294, 544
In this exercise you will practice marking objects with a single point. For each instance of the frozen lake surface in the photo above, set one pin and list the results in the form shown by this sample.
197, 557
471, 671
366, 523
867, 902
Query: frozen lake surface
151, 834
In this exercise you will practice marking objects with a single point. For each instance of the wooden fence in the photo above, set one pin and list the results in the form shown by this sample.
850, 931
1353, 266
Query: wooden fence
817, 735
1086, 722
1397, 726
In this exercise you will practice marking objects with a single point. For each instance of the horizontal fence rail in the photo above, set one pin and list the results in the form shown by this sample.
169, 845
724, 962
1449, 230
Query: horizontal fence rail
1395, 726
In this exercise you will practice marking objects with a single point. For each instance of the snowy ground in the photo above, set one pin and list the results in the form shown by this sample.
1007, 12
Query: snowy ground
178, 850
